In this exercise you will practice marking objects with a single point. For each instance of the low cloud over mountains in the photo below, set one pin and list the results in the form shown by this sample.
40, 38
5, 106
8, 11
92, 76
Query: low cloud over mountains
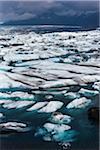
85, 14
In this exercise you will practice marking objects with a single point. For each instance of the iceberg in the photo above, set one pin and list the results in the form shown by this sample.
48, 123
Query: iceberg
13, 127
56, 128
60, 83
59, 118
5, 101
7, 82
52, 106
86, 79
17, 104
23, 95
17, 96
79, 103
88, 93
56, 132
37, 106
71, 95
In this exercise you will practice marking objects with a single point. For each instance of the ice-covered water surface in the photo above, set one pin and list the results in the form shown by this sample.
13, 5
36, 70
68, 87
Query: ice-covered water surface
48, 81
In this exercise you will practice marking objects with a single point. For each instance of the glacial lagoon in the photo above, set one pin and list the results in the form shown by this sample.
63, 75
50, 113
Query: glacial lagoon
48, 83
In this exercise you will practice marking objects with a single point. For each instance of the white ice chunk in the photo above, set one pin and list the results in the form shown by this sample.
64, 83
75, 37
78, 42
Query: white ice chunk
79, 103
60, 83
20, 95
52, 106
70, 95
60, 118
5, 101
37, 106
6, 82
18, 104
50, 127
56, 132
13, 126
89, 79
88, 93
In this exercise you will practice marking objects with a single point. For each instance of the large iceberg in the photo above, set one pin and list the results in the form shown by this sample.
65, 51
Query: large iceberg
79, 103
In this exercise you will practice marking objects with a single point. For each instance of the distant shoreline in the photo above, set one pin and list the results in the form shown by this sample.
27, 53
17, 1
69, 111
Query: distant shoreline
52, 28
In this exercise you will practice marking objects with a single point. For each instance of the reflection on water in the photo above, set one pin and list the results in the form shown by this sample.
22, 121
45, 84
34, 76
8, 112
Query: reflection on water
48, 83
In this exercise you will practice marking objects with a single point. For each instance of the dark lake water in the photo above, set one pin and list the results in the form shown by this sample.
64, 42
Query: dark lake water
48, 82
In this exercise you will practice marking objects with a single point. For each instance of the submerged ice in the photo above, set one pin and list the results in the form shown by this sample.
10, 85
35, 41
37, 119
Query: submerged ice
56, 132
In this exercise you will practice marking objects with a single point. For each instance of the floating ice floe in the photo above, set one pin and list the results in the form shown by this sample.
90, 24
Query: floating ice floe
92, 63
79, 103
71, 95
88, 93
13, 127
56, 132
5, 101
17, 96
12, 57
25, 81
6, 82
23, 95
76, 69
51, 107
85, 79
60, 83
17, 104
37, 106
46, 107
53, 128
58, 117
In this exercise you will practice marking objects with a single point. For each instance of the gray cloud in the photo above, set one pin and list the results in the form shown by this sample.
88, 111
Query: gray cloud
19, 10
72, 13
14, 16
23, 10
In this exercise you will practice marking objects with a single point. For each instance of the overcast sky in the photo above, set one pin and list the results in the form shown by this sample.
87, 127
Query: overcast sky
19, 10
